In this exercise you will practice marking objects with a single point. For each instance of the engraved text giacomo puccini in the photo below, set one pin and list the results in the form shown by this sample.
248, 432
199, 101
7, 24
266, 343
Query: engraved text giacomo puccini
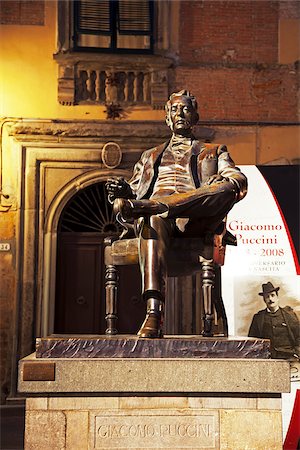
140, 430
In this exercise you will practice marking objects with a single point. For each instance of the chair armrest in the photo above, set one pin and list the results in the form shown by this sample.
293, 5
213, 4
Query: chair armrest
121, 252
109, 240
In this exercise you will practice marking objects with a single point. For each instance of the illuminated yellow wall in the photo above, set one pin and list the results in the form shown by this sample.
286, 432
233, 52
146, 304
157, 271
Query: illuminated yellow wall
28, 76
28, 84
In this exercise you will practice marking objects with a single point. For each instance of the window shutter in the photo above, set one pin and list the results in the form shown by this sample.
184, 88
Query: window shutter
134, 17
94, 17
122, 25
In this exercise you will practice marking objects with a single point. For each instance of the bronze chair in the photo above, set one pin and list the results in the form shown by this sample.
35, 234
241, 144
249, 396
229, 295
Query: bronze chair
185, 257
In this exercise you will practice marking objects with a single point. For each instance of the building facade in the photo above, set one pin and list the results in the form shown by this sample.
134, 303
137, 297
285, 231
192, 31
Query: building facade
80, 102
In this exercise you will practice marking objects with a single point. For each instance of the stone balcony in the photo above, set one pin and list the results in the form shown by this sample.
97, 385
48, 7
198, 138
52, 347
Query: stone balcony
139, 80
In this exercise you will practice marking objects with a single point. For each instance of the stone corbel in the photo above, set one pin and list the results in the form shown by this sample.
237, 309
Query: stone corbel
66, 84
159, 89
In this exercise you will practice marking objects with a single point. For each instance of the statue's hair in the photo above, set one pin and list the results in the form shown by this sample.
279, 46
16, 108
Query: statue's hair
183, 93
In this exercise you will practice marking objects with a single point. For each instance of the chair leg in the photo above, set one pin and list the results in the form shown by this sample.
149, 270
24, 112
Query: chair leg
218, 301
111, 292
208, 279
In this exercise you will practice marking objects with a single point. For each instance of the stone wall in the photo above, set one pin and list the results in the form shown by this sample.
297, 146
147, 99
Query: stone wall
158, 422
185, 403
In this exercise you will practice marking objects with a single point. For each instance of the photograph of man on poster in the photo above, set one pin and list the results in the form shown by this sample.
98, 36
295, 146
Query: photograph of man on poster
279, 324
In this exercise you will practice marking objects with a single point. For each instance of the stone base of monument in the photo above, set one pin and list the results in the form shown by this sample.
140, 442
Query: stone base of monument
174, 402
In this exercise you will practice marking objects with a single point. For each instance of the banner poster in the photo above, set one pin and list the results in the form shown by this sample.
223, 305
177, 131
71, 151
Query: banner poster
266, 224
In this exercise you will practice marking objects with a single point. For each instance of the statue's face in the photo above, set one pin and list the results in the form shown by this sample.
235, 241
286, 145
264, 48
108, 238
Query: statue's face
182, 115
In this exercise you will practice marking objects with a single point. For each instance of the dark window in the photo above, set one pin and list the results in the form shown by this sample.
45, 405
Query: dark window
89, 211
114, 25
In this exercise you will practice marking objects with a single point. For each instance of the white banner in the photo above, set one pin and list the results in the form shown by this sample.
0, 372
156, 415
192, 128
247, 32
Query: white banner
265, 252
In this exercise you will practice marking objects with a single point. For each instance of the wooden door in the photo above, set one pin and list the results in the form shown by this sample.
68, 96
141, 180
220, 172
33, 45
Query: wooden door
80, 295
79, 288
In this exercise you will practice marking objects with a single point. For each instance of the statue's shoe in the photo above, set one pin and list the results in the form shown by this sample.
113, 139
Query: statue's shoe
151, 327
133, 209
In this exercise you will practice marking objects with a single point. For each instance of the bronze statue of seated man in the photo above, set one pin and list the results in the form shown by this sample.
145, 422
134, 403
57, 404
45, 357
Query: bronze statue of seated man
183, 187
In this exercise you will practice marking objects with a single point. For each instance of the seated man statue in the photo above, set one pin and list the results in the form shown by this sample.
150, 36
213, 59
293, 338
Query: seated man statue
181, 188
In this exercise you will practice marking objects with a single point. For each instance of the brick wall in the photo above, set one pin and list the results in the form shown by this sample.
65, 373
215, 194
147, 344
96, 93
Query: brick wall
239, 31
289, 9
22, 12
228, 57
246, 94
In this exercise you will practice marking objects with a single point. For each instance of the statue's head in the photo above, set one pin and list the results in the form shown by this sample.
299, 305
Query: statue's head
181, 112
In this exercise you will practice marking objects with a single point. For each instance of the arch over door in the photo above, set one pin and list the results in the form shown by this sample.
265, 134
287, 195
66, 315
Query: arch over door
79, 302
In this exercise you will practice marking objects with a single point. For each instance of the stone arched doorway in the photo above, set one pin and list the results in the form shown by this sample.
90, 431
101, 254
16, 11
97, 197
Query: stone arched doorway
79, 295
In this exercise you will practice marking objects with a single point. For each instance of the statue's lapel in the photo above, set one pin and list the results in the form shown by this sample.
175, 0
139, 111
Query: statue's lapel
157, 151
148, 170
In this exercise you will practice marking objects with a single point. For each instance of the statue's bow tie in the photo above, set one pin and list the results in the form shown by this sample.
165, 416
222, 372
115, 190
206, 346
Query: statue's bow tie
177, 141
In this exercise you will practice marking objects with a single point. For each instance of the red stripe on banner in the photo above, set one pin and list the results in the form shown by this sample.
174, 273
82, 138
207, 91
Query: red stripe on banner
294, 253
292, 440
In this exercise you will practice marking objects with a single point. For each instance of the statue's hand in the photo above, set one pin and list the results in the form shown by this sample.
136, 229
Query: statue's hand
118, 188
216, 178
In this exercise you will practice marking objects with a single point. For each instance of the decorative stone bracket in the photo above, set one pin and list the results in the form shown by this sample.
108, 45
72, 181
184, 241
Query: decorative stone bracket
129, 81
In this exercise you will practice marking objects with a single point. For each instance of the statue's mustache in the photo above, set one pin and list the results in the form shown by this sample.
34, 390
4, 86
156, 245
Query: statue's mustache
184, 121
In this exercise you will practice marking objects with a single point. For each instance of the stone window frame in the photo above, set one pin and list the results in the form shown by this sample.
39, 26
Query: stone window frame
80, 73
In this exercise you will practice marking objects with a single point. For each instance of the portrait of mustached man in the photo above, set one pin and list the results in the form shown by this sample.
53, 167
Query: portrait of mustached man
279, 324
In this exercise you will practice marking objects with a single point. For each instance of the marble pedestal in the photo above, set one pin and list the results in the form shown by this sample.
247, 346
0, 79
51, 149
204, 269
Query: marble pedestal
153, 403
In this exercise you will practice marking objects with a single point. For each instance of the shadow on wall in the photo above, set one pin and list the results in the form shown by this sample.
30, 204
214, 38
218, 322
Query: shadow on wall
12, 421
